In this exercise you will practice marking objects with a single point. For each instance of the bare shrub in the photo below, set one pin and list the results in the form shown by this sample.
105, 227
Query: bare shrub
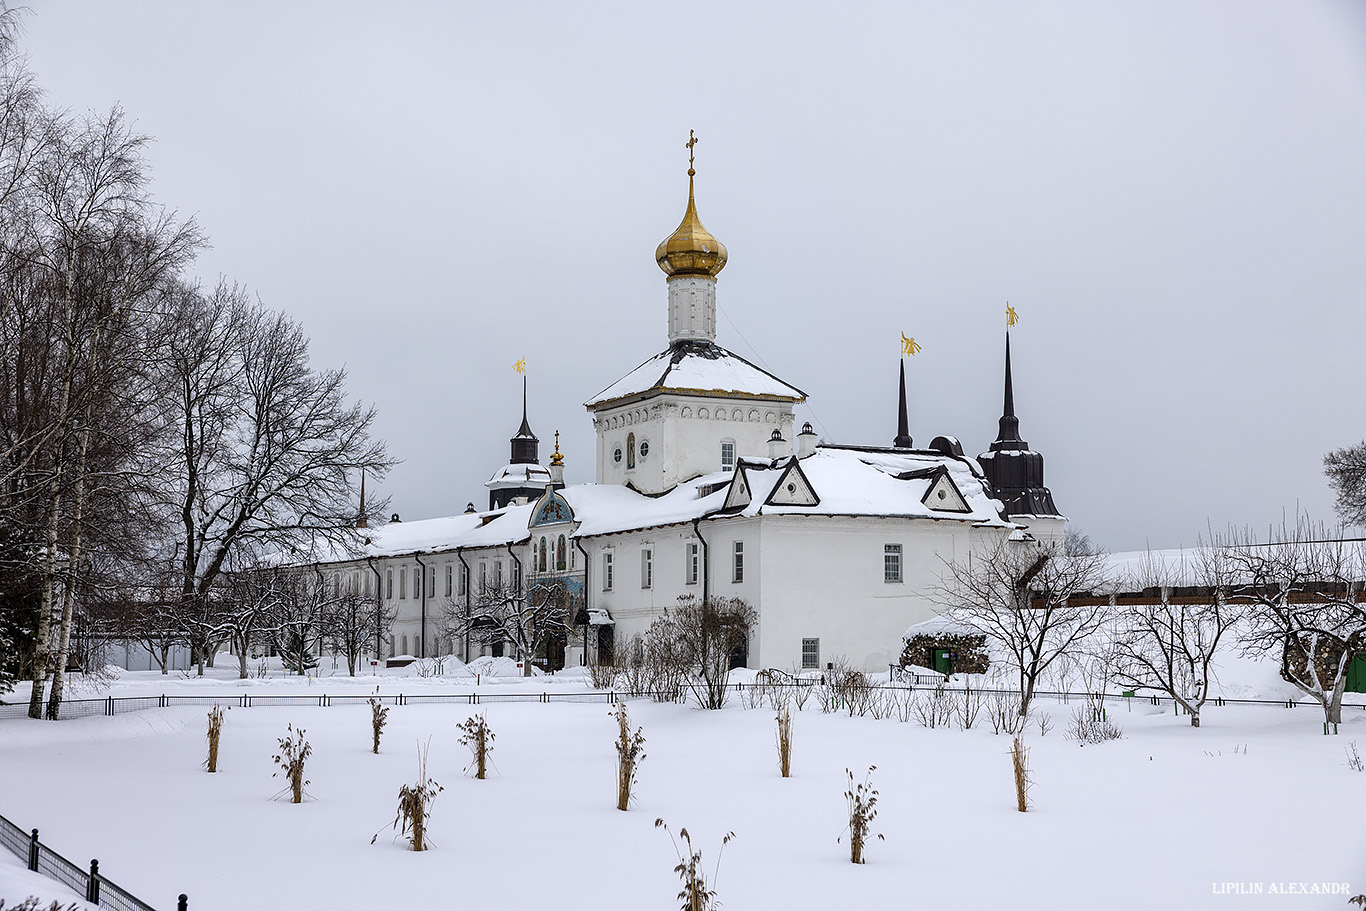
630, 753
632, 668
968, 706
881, 703
215, 730
602, 675
695, 894
1019, 758
32, 904
801, 692
294, 752
478, 738
933, 708
861, 798
785, 742
1044, 721
1090, 723
415, 805
1003, 711
849, 689
379, 715
1354, 761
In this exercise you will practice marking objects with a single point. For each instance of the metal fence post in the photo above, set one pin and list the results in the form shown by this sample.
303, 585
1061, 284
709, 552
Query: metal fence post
183, 903
33, 851
92, 888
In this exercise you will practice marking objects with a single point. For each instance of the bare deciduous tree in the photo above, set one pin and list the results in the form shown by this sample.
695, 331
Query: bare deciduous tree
1303, 595
1018, 593
525, 615
1346, 471
1170, 645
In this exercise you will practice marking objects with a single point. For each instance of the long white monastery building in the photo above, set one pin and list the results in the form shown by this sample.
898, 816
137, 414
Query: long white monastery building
700, 490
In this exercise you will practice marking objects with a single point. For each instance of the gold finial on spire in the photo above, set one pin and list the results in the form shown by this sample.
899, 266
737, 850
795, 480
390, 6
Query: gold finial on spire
556, 460
691, 250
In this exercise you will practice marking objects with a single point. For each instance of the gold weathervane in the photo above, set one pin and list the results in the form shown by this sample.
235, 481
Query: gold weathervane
520, 366
909, 345
1011, 316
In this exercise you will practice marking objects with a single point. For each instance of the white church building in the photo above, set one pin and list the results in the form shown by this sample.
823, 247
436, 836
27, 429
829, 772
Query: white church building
703, 488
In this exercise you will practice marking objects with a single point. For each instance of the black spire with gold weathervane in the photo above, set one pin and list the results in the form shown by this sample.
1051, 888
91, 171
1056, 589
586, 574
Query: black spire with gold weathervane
1015, 470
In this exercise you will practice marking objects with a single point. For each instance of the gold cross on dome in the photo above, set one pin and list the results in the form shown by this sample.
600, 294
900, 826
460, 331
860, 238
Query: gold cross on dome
692, 141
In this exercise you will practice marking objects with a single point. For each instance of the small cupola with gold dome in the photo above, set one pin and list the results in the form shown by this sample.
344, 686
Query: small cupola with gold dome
691, 257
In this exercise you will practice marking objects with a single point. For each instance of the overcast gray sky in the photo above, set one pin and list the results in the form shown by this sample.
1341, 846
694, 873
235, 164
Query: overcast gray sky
1171, 194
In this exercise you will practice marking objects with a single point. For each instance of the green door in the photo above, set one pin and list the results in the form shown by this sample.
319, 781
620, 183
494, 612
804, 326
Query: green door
1356, 674
942, 663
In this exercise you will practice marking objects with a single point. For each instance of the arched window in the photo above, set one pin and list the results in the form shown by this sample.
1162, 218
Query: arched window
630, 450
404, 643
540, 561
559, 553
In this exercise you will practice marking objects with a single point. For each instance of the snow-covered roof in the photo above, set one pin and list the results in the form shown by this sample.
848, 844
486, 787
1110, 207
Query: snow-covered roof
519, 474
938, 626
698, 367
845, 482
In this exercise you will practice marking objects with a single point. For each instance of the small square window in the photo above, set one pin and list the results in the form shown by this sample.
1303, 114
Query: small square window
811, 654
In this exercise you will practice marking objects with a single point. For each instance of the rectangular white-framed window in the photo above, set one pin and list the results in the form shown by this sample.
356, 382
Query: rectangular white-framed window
891, 563
367, 575
483, 575
573, 554
692, 563
464, 578
811, 654
402, 582
389, 584
647, 567
737, 562
517, 576
607, 571
727, 455
450, 574
431, 582
498, 574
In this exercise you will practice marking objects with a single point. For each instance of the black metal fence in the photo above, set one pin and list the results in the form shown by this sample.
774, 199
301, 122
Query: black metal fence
118, 705
91, 884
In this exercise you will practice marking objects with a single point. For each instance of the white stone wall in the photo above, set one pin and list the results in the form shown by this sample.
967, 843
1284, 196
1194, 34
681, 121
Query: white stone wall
684, 434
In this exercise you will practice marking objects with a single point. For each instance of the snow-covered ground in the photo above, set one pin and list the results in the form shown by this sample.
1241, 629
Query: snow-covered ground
1162, 818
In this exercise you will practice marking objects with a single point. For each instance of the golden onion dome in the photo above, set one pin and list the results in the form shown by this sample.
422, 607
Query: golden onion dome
691, 250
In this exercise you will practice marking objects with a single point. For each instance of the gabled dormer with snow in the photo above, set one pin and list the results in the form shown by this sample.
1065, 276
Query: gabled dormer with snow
694, 408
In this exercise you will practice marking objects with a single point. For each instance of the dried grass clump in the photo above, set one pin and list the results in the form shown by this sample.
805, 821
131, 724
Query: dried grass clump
479, 739
862, 801
630, 753
294, 752
1019, 758
415, 806
215, 731
379, 715
695, 895
785, 742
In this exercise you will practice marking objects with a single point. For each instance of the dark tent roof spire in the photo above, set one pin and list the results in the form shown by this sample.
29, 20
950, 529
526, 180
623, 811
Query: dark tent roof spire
1008, 436
903, 426
525, 446
525, 429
